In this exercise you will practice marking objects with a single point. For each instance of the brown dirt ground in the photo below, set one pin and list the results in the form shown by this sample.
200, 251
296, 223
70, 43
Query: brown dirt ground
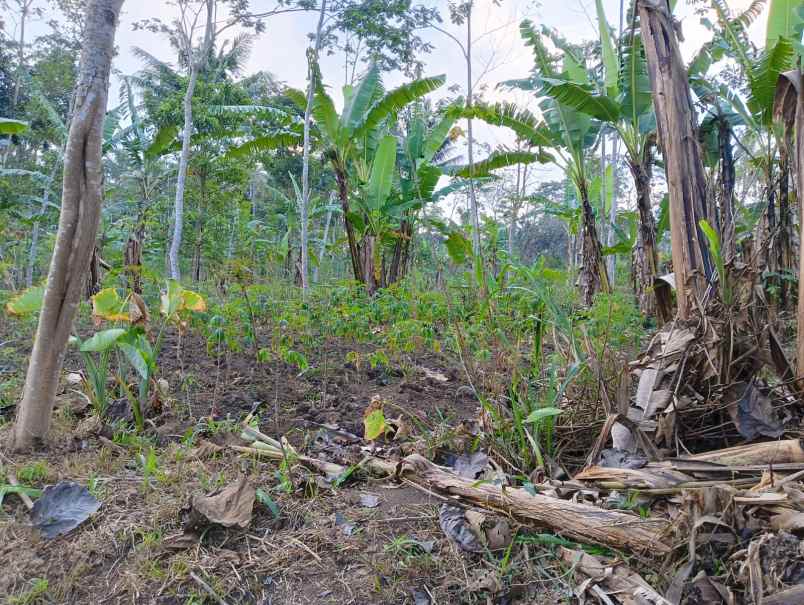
124, 553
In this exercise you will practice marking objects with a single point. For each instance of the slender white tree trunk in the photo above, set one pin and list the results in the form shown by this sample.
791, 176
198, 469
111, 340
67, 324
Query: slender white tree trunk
78, 224
476, 244
196, 65
304, 203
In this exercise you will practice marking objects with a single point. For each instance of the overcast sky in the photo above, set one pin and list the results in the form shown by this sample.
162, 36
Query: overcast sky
499, 53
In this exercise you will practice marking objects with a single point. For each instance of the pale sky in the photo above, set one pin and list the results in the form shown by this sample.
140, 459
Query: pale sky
280, 50
499, 53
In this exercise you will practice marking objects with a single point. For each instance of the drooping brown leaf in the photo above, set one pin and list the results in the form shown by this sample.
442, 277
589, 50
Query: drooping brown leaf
229, 507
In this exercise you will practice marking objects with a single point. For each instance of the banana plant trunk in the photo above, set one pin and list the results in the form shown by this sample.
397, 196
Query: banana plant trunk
727, 178
675, 117
593, 277
785, 254
132, 259
646, 255
398, 265
369, 257
799, 126
354, 250
82, 193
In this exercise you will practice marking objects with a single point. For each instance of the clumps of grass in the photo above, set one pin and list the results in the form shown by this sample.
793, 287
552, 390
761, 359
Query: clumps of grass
34, 472
36, 594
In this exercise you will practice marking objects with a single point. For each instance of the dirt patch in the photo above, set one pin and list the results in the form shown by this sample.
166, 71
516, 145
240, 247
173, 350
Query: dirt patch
365, 541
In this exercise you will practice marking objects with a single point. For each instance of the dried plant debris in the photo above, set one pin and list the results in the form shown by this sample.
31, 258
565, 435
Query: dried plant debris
457, 528
369, 500
229, 507
62, 508
471, 465
752, 412
610, 581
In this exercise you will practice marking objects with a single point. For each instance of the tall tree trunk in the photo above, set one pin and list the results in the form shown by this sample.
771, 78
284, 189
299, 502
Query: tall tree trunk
196, 65
676, 123
304, 203
473, 208
78, 224
593, 277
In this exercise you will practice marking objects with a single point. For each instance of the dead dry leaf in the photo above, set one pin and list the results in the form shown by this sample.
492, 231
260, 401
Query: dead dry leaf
229, 507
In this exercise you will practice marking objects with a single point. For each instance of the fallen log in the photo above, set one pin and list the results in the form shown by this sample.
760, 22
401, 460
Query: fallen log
769, 453
579, 522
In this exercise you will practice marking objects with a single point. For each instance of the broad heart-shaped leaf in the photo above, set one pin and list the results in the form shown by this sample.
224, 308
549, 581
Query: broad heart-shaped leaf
108, 305
785, 20
171, 299
9, 126
27, 302
582, 99
103, 340
610, 63
135, 358
540, 414
192, 301
177, 299
374, 424
382, 172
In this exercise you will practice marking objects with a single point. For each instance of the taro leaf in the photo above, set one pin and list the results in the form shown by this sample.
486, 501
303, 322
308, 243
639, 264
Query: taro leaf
108, 305
374, 424
471, 466
369, 500
28, 302
753, 414
62, 507
103, 340
229, 507
455, 526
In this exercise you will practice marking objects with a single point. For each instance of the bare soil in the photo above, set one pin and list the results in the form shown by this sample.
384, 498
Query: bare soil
326, 546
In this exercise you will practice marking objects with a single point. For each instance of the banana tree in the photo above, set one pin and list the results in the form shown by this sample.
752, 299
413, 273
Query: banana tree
352, 141
766, 146
422, 153
624, 102
572, 134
